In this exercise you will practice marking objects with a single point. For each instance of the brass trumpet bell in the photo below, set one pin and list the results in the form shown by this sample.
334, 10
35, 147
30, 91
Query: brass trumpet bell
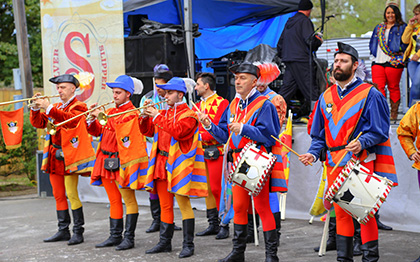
51, 128
102, 118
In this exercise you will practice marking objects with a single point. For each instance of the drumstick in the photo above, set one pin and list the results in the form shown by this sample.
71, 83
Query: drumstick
344, 154
195, 106
231, 133
288, 148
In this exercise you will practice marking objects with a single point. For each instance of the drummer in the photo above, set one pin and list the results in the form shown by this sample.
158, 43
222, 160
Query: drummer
249, 117
343, 111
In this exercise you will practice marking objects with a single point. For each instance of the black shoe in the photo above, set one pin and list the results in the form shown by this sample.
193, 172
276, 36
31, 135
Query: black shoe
250, 237
78, 222
271, 244
214, 228
63, 233
130, 228
155, 211
417, 260
115, 236
331, 242
188, 243
344, 248
165, 238
380, 225
240, 233
223, 232
177, 228
370, 251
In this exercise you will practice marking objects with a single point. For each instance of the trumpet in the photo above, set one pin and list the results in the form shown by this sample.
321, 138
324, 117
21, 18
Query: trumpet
26, 99
52, 128
103, 118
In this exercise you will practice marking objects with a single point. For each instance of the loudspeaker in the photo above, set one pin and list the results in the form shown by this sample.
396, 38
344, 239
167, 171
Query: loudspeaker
142, 53
135, 22
225, 82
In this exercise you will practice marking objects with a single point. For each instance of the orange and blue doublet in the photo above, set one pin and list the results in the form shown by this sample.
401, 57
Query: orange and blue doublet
260, 121
341, 114
177, 153
57, 114
131, 174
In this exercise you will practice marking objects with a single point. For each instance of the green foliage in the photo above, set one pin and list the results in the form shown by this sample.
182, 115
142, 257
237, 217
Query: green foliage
353, 17
8, 46
21, 160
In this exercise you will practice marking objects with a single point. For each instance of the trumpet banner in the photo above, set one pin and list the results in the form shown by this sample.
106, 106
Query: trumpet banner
81, 38
12, 127
286, 138
132, 153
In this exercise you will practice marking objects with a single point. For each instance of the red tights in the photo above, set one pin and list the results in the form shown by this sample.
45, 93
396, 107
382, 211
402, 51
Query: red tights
345, 227
215, 169
241, 201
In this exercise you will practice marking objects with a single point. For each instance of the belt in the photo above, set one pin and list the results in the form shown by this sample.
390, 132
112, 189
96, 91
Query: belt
208, 146
109, 153
238, 150
336, 148
56, 146
163, 153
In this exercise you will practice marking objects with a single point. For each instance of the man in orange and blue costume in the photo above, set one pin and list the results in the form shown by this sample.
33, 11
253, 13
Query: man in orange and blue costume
343, 111
250, 117
176, 166
121, 141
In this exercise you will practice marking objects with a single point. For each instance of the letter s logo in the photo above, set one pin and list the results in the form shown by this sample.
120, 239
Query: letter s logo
79, 63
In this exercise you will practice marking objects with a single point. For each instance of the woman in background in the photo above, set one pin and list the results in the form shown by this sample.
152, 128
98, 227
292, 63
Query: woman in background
387, 49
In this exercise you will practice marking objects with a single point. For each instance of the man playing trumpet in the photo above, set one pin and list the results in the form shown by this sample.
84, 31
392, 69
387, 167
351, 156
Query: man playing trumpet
61, 180
121, 162
176, 165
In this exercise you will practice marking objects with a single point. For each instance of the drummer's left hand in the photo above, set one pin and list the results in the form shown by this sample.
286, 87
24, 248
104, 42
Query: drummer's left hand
354, 147
235, 127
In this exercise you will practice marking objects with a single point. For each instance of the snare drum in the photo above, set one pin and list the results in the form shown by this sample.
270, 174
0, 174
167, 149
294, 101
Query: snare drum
358, 192
252, 168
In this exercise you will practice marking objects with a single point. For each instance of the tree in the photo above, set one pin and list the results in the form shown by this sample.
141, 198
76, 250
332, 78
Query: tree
8, 46
353, 17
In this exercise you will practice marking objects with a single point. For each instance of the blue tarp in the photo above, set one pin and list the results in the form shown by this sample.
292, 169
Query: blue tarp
226, 26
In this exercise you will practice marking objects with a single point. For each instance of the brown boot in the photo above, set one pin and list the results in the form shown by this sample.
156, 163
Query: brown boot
394, 110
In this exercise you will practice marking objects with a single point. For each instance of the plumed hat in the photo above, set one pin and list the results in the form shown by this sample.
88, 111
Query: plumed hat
246, 67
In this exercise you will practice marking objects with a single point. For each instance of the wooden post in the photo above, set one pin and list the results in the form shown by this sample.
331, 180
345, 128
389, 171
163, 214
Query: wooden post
23, 47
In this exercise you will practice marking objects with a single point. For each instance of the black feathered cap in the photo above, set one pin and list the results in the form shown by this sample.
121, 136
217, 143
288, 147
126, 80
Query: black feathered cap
66, 78
347, 49
246, 67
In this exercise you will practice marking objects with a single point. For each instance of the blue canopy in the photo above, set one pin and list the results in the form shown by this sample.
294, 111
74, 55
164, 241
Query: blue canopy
226, 25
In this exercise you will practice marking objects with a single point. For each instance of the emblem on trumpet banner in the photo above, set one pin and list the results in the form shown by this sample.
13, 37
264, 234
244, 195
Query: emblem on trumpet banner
126, 141
74, 141
12, 126
231, 118
329, 108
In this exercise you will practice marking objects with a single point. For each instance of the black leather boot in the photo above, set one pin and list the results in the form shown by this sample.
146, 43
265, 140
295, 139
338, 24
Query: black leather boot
213, 218
370, 251
130, 228
380, 225
277, 218
165, 239
357, 242
63, 233
223, 232
115, 236
78, 222
250, 237
240, 233
155, 211
271, 244
188, 243
344, 248
331, 242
